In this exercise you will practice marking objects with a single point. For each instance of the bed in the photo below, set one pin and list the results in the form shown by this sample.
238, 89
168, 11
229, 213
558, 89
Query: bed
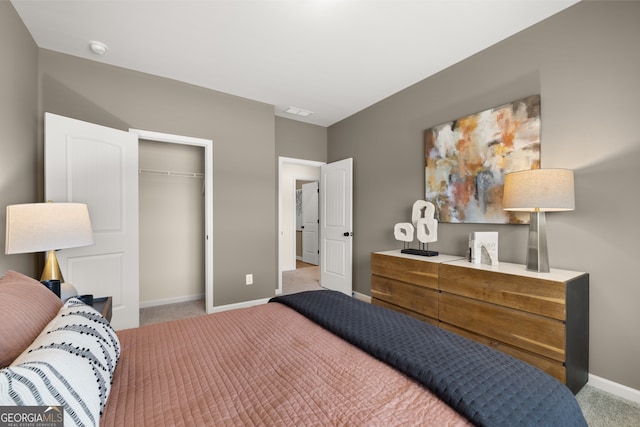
314, 358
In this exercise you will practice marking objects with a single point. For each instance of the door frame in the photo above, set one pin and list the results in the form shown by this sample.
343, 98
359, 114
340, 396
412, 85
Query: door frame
282, 161
207, 144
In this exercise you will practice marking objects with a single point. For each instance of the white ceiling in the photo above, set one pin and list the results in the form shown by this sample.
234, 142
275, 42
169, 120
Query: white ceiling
331, 57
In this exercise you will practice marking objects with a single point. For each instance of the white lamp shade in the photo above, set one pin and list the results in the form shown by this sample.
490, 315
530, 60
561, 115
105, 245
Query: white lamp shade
539, 190
40, 227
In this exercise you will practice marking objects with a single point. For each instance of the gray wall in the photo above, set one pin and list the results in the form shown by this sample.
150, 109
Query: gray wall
18, 119
300, 140
584, 63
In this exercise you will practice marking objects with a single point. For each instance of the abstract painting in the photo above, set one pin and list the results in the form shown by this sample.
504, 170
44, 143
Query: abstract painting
467, 159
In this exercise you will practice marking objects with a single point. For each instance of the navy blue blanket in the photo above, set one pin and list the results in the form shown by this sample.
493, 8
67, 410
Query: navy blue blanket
488, 387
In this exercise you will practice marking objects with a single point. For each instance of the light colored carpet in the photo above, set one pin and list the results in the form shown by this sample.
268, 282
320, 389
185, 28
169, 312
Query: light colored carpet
301, 279
164, 313
601, 409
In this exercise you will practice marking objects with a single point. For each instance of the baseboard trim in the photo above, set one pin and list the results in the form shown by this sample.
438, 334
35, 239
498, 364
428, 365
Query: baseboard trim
244, 304
614, 388
361, 297
173, 300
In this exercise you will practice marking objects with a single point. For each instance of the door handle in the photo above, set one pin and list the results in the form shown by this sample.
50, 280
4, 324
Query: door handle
347, 234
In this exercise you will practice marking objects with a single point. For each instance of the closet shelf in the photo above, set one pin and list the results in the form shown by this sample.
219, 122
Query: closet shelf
171, 173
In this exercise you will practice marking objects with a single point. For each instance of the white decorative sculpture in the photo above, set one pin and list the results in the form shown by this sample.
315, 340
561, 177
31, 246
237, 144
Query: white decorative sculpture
427, 230
403, 231
425, 225
423, 217
419, 210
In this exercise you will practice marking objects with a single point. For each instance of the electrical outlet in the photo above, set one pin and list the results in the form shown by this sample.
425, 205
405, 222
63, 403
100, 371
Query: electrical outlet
249, 279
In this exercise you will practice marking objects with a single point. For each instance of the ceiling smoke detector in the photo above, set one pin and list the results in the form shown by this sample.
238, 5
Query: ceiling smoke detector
98, 48
298, 112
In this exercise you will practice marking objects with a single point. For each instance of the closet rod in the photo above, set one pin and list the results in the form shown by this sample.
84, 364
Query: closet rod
171, 173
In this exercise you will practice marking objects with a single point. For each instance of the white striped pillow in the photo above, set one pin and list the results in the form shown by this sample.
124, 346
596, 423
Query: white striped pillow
70, 364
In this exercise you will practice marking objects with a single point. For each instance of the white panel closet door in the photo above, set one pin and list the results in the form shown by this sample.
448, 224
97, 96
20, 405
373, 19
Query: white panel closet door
97, 165
336, 225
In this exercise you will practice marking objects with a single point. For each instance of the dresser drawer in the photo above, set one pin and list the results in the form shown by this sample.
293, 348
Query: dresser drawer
403, 310
419, 273
533, 295
414, 298
537, 334
552, 367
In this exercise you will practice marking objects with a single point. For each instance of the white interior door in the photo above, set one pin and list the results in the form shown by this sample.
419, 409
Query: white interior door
310, 222
97, 165
336, 225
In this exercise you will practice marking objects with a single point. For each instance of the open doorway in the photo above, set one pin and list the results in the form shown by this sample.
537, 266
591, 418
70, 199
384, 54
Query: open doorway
291, 171
336, 221
306, 275
171, 226
198, 160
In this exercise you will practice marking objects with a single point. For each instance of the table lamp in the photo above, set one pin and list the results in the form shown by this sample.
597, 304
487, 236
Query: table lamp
47, 227
538, 191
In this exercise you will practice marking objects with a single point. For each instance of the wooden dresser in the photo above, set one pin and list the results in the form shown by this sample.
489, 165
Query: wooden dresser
541, 318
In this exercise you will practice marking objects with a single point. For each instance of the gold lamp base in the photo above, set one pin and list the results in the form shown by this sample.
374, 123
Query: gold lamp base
51, 269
